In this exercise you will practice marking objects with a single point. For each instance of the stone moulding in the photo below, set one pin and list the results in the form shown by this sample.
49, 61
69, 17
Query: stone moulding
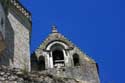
8, 3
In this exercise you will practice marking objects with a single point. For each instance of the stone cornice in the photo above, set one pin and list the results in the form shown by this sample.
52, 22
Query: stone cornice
21, 8
16, 5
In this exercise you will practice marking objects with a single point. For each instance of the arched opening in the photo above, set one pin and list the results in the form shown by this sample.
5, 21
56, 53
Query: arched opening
58, 58
76, 60
41, 63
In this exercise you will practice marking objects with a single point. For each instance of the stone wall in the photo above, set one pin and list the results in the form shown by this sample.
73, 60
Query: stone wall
2, 21
81, 73
8, 75
7, 32
2, 31
84, 68
87, 72
21, 57
16, 29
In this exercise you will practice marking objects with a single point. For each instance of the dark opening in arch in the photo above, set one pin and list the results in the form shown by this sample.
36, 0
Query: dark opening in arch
76, 60
58, 57
41, 63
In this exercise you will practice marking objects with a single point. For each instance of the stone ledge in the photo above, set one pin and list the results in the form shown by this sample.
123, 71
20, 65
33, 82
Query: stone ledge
13, 75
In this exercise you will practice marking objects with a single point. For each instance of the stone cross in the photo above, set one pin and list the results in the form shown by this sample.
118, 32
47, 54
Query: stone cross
54, 29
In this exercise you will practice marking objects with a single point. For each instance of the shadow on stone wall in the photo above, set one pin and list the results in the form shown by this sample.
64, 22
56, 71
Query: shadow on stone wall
8, 54
37, 65
34, 62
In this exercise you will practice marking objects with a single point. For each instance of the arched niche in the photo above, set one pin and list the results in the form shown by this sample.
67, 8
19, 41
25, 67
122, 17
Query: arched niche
76, 59
41, 63
58, 55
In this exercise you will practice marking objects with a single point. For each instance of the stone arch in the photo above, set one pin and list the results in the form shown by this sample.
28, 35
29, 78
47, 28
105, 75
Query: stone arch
41, 63
76, 59
58, 58
50, 45
58, 55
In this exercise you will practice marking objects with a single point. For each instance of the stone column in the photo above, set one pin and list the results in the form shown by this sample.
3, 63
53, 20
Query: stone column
51, 60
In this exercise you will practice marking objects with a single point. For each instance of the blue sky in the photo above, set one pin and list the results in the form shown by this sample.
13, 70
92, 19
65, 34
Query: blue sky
96, 26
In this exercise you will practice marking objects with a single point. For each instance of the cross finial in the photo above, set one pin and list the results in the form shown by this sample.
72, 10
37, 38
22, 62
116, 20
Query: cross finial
54, 29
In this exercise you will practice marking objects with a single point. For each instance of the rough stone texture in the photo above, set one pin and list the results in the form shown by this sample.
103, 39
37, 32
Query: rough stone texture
82, 73
70, 49
21, 44
2, 21
7, 34
2, 31
8, 75
16, 29
86, 70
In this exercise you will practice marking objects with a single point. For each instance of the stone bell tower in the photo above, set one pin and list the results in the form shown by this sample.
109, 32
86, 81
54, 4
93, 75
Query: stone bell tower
60, 57
15, 30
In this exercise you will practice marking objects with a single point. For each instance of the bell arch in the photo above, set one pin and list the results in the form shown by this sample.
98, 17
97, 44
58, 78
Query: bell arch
58, 57
57, 54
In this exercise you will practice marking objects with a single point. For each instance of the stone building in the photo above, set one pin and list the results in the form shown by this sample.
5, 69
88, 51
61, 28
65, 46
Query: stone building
60, 57
15, 30
56, 55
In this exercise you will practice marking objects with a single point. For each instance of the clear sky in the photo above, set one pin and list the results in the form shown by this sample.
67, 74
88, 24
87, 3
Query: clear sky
96, 26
